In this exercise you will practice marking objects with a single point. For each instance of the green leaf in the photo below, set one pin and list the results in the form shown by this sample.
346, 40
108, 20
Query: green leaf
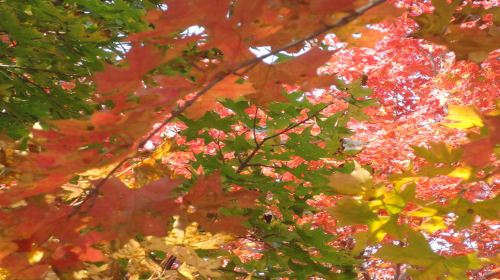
417, 252
357, 90
437, 22
352, 212
315, 237
438, 153
351, 184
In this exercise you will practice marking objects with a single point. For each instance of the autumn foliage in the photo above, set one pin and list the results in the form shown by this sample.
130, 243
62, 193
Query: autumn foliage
241, 139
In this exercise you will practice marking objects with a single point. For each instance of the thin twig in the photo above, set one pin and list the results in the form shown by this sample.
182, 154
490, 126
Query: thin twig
183, 108
245, 162
397, 272
491, 274
219, 150
255, 125
343, 21
36, 69
258, 145
38, 87
242, 74
92, 195
290, 127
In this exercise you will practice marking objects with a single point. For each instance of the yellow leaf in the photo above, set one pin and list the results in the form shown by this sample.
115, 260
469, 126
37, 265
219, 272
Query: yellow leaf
495, 260
138, 261
374, 192
92, 271
461, 172
401, 181
147, 170
4, 274
187, 271
422, 212
162, 150
351, 184
35, 256
189, 237
351, 212
463, 117
96, 173
182, 244
376, 226
374, 235
433, 224
394, 203
143, 173
193, 264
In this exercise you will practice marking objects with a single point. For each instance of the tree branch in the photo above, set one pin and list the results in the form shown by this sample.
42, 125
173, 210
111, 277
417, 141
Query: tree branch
292, 126
258, 145
249, 63
491, 274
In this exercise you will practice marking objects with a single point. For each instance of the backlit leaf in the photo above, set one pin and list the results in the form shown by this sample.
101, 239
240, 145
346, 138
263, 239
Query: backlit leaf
353, 183
463, 117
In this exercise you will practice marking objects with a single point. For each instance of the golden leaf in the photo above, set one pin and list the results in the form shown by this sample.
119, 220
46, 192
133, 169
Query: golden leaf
353, 183
193, 264
138, 260
96, 173
182, 244
461, 172
148, 170
463, 117
433, 224
4, 274
187, 271
35, 256
189, 237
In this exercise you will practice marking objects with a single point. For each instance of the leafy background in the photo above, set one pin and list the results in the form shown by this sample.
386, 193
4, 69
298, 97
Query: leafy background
147, 141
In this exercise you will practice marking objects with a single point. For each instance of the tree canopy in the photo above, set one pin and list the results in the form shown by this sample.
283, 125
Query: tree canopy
249, 139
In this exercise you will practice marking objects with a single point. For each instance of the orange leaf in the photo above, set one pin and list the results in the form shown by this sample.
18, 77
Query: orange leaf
125, 212
229, 87
268, 80
206, 197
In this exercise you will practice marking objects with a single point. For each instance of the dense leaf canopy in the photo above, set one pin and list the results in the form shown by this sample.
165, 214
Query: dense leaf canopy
241, 139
